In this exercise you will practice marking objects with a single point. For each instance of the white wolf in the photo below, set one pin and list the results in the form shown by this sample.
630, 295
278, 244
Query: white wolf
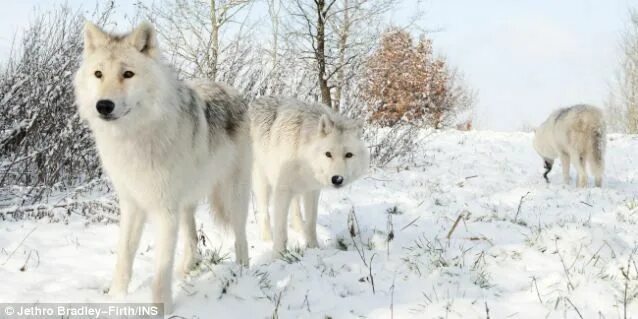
576, 135
166, 145
299, 149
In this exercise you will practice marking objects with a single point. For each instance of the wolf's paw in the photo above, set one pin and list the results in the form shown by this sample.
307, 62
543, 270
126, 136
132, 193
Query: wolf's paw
243, 261
312, 243
187, 266
168, 308
116, 292
278, 252
163, 296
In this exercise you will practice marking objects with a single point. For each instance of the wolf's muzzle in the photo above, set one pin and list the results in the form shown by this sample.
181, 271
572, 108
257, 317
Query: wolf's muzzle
105, 107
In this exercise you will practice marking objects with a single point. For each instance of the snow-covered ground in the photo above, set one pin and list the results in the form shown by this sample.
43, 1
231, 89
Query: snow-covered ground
522, 248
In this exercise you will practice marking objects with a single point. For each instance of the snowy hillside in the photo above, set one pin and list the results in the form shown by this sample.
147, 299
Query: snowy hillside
521, 248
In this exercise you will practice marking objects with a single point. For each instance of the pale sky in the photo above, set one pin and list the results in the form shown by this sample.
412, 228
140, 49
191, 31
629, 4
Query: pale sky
524, 57
527, 57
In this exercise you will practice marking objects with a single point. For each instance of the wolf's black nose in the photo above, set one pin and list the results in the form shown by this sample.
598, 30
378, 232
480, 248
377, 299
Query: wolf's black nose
337, 180
105, 107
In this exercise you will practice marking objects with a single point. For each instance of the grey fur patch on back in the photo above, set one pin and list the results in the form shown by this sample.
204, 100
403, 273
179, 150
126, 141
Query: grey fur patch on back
223, 109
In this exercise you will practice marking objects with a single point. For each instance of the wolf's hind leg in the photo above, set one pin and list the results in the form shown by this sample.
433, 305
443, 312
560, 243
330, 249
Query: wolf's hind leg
281, 205
236, 201
261, 189
564, 163
188, 232
598, 178
582, 171
230, 203
132, 220
597, 167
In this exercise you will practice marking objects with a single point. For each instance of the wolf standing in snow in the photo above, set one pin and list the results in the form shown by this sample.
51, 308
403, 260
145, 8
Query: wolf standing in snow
576, 135
299, 149
166, 145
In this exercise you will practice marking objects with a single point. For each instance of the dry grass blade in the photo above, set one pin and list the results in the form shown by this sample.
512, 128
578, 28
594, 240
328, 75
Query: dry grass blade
456, 223
19, 245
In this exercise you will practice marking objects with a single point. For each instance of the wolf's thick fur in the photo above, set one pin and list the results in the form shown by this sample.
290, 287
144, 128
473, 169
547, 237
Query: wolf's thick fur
166, 145
300, 148
577, 135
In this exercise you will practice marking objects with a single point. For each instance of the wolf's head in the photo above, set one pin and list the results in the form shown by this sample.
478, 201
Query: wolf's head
337, 154
120, 78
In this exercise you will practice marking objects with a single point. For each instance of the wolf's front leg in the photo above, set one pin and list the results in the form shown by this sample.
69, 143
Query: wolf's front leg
132, 220
311, 203
282, 199
188, 231
165, 239
235, 199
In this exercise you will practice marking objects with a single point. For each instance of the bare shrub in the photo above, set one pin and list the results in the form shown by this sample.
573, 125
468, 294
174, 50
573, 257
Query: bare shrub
45, 150
391, 143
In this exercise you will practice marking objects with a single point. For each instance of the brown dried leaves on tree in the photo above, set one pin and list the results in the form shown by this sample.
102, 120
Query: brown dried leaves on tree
405, 81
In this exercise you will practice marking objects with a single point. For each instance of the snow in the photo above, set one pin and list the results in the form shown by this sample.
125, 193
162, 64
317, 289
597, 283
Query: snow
564, 254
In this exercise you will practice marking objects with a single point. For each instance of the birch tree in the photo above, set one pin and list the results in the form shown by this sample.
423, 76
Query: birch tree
191, 31
335, 36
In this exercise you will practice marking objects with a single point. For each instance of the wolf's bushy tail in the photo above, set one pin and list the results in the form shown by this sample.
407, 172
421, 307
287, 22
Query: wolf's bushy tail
229, 200
599, 143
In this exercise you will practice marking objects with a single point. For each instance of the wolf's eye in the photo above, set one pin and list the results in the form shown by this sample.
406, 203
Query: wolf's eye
98, 74
128, 74
328, 155
348, 155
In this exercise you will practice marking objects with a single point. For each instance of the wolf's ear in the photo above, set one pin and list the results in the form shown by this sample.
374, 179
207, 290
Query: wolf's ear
326, 125
93, 37
144, 39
